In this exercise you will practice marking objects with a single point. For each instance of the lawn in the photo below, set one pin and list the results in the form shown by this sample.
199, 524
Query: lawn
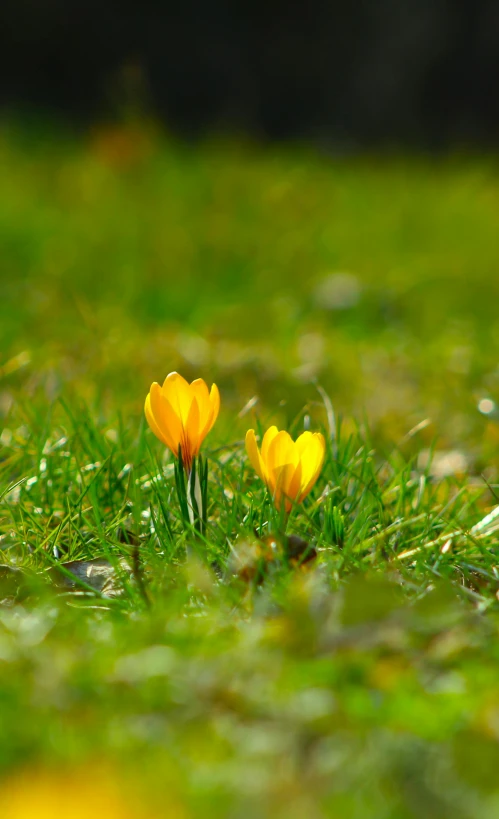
340, 663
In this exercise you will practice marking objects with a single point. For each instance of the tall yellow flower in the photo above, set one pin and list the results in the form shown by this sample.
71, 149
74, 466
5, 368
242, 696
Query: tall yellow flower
288, 468
182, 414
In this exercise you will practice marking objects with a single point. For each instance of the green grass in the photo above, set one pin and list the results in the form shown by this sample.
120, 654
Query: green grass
214, 681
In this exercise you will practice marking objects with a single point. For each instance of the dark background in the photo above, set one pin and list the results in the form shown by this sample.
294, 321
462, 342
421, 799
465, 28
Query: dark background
367, 72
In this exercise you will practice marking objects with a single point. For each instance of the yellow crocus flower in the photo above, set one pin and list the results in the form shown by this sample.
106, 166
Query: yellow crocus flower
288, 468
182, 414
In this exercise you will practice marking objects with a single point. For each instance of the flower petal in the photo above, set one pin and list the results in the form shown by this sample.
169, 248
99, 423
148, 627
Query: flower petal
200, 392
254, 455
267, 440
191, 442
282, 480
215, 403
281, 451
295, 483
303, 441
152, 421
312, 461
165, 418
178, 392
309, 450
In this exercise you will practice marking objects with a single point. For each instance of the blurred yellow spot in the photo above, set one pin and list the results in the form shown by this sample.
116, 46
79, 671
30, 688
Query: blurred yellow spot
76, 795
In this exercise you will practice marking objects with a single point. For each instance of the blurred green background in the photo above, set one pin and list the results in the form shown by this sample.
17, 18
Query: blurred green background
126, 255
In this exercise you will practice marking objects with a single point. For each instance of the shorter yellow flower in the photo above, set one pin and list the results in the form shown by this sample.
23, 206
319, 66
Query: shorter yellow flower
182, 414
288, 468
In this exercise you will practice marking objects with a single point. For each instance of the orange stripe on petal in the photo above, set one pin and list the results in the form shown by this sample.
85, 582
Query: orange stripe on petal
294, 486
281, 480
